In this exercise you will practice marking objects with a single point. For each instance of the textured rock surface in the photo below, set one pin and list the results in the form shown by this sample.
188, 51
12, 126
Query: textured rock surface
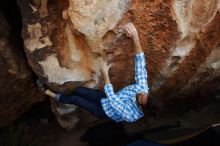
64, 40
18, 91
192, 70
176, 36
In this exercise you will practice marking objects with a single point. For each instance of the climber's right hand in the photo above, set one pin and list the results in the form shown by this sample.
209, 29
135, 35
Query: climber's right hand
131, 31
104, 67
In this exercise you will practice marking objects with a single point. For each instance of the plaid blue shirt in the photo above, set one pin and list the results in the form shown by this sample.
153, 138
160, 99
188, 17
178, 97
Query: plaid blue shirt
122, 106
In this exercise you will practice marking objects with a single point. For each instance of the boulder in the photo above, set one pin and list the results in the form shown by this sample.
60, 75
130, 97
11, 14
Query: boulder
64, 41
18, 91
180, 40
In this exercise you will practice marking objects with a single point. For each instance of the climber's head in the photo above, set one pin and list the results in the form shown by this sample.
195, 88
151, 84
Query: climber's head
142, 98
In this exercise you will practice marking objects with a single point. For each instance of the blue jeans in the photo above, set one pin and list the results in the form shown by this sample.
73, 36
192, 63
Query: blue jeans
86, 98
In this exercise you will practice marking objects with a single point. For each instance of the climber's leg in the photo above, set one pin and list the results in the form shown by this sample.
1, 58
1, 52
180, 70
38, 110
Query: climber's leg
88, 93
94, 108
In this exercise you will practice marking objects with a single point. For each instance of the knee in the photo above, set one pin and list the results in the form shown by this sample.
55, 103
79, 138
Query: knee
78, 90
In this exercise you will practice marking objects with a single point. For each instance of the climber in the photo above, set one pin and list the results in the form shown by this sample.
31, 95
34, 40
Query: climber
124, 105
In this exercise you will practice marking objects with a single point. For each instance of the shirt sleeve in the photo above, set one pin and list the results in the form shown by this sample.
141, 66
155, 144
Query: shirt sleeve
140, 70
122, 107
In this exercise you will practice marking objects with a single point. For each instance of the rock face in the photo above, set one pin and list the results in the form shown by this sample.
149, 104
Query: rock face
180, 40
65, 39
18, 91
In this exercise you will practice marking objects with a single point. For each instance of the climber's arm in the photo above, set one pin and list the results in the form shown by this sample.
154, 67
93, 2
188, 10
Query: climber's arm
123, 107
105, 70
140, 64
131, 32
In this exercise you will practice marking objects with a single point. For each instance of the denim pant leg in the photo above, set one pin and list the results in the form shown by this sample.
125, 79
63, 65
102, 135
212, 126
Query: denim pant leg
94, 108
88, 93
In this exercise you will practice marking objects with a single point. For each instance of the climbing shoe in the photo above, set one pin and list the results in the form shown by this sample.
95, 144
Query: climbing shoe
41, 85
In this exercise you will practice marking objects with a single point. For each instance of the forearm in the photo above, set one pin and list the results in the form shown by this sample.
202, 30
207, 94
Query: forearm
106, 78
137, 46
140, 69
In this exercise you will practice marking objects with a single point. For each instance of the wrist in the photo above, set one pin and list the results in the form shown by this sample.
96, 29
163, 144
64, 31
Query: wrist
106, 80
137, 47
105, 73
136, 40
137, 43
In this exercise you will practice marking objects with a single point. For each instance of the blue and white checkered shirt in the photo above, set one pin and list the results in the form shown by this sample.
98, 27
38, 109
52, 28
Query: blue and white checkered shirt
122, 106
